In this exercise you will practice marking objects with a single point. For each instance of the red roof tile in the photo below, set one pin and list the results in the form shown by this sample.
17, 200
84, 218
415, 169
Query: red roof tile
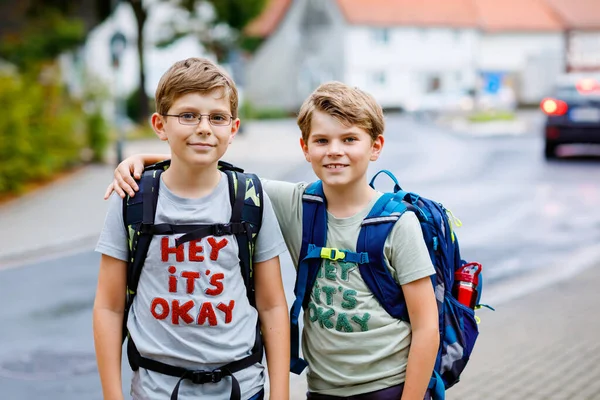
266, 23
488, 15
517, 15
577, 14
455, 13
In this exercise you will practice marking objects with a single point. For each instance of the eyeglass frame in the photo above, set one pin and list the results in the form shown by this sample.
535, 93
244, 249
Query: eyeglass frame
199, 118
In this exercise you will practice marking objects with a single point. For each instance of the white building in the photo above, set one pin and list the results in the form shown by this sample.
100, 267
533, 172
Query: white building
94, 60
405, 51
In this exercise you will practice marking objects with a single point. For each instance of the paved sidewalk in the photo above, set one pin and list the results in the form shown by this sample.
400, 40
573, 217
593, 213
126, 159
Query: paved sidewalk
67, 216
542, 346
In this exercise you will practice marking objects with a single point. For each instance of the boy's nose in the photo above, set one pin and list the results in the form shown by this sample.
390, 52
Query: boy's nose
334, 149
203, 126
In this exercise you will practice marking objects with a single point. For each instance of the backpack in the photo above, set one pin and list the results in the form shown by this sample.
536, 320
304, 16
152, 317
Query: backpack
457, 322
246, 217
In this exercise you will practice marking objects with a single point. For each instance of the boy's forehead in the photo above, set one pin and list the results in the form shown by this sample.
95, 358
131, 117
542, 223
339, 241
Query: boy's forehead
214, 98
324, 124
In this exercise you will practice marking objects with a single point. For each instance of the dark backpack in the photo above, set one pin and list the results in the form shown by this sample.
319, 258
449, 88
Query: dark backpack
246, 217
457, 323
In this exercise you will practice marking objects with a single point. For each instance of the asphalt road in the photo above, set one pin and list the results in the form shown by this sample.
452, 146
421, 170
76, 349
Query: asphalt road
519, 214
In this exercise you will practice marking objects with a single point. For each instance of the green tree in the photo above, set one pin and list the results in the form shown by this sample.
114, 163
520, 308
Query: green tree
46, 36
36, 34
231, 15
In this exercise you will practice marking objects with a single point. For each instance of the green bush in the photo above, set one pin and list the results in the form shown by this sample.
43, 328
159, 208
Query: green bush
249, 111
41, 131
489, 116
97, 136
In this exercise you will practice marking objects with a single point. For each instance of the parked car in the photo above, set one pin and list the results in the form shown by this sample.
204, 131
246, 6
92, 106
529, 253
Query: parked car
573, 113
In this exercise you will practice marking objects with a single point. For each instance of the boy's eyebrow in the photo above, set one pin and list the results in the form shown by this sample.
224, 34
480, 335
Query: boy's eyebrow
184, 108
346, 133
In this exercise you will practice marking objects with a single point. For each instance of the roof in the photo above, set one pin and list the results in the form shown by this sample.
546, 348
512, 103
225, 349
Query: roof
454, 13
489, 15
577, 14
517, 16
269, 19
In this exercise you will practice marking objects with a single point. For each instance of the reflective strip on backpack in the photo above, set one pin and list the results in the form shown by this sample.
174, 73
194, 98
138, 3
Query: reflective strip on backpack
311, 197
377, 220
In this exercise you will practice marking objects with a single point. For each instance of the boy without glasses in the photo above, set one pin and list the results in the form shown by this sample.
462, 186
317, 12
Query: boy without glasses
191, 310
368, 354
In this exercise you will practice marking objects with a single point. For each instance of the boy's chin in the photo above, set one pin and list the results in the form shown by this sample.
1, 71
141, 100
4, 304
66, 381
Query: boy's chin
334, 181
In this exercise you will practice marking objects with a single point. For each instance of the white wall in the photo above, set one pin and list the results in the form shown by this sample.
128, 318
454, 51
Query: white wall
510, 51
584, 51
410, 55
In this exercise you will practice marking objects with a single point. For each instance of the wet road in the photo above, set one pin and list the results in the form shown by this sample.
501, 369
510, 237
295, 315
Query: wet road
519, 212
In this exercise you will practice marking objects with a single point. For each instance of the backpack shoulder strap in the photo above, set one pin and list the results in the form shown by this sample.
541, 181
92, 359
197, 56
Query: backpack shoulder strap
314, 233
138, 217
246, 197
374, 231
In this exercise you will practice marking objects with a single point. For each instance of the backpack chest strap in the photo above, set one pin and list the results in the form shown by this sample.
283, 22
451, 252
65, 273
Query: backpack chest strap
328, 253
196, 231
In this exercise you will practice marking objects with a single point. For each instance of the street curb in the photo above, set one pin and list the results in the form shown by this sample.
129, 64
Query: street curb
521, 285
51, 252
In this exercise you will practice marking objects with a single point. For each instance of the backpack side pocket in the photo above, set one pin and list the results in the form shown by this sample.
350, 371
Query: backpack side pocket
458, 339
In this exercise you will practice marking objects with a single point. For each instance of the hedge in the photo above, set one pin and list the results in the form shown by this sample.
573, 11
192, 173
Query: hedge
42, 131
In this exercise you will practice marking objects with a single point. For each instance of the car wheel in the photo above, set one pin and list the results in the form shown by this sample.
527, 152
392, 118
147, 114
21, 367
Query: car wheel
550, 150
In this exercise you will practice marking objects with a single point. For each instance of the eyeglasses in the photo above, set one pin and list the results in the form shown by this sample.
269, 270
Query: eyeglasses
190, 118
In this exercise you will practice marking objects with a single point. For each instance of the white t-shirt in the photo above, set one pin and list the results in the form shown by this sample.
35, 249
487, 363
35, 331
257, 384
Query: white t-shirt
191, 308
352, 345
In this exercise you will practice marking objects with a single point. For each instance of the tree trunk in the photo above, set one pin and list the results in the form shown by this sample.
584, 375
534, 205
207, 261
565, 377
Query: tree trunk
140, 16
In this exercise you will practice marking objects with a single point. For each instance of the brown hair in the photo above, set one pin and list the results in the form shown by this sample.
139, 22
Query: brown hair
349, 105
194, 75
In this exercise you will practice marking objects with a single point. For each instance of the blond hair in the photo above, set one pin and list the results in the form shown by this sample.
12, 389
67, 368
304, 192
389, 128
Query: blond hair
194, 75
349, 105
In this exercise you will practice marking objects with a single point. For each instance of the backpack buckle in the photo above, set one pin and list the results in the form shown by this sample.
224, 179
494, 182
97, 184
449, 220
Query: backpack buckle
218, 230
145, 229
332, 254
201, 377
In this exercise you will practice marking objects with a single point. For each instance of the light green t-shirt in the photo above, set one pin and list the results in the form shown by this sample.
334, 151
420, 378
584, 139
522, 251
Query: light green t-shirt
352, 345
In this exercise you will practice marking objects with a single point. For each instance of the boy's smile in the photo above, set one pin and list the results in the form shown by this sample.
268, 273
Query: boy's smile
339, 154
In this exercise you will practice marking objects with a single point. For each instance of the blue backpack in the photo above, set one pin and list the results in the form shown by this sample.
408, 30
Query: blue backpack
457, 322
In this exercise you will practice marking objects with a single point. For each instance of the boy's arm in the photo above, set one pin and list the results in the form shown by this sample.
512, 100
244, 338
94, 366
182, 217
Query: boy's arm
273, 313
107, 321
130, 169
423, 313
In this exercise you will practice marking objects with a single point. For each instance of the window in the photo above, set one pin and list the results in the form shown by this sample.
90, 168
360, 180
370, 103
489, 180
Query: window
457, 35
379, 78
381, 35
433, 84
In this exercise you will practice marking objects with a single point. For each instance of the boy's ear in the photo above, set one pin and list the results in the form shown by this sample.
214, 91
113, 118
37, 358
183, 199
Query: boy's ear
158, 124
235, 127
304, 149
377, 147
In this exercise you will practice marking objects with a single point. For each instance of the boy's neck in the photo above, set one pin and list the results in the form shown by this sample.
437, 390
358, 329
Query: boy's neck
191, 181
345, 201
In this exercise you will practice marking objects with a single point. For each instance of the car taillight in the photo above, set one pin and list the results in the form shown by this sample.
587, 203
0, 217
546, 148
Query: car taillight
554, 107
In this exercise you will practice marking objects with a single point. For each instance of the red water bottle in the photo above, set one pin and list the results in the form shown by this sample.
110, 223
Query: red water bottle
466, 279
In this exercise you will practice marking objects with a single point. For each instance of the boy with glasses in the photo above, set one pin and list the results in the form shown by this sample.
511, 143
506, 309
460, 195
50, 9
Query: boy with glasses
191, 312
